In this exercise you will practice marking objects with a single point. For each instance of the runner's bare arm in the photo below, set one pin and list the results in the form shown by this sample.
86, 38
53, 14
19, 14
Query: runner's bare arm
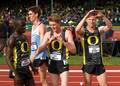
42, 46
9, 57
42, 31
69, 43
106, 20
79, 27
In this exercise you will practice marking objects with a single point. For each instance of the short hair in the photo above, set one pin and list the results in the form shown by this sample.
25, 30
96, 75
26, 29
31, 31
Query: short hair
35, 9
20, 21
54, 17
94, 13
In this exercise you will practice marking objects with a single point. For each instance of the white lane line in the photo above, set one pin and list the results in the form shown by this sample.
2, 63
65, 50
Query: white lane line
106, 70
6, 70
59, 82
109, 76
97, 82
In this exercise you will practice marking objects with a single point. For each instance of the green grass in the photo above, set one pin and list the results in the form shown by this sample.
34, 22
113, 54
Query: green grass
77, 60
2, 61
111, 61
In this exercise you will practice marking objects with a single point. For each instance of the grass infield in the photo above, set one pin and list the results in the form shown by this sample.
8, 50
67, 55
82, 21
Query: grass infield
77, 60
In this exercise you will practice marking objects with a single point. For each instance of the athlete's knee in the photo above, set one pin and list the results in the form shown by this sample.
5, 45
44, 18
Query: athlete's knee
87, 83
55, 84
43, 68
103, 84
64, 84
43, 78
44, 82
102, 79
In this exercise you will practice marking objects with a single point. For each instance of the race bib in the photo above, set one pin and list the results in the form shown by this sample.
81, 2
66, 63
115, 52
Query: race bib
34, 46
55, 56
94, 49
25, 62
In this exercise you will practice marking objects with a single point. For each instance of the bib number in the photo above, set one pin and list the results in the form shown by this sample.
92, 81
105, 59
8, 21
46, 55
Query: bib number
34, 46
25, 62
55, 56
94, 49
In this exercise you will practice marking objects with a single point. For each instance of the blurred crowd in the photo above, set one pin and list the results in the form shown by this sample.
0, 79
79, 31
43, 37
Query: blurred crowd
74, 11
71, 13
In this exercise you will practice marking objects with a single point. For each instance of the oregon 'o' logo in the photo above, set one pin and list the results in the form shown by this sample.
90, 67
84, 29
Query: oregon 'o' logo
93, 40
24, 47
56, 45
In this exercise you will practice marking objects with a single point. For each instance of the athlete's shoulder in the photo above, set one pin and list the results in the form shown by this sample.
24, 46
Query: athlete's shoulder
42, 25
11, 40
42, 28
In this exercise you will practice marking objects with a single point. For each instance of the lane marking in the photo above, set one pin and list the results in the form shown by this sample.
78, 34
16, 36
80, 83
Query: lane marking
106, 70
77, 76
6, 70
59, 82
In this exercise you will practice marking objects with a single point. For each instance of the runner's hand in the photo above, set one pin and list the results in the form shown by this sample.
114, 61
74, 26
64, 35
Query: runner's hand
99, 14
51, 39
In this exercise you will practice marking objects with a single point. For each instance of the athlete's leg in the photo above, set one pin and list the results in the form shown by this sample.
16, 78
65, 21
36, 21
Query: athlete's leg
18, 81
55, 79
64, 78
42, 71
11, 74
88, 79
102, 79
1, 45
30, 82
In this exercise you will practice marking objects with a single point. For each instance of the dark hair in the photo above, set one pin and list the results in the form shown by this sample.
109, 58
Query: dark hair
20, 21
35, 10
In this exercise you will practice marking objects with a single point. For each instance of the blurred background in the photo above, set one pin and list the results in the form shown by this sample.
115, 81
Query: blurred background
71, 12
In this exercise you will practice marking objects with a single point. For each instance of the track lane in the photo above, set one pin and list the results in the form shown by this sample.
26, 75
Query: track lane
75, 76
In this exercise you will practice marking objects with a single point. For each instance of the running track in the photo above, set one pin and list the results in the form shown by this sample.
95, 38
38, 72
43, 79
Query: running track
75, 77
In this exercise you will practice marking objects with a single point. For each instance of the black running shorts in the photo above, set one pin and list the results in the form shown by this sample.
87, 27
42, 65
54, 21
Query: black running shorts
58, 67
94, 69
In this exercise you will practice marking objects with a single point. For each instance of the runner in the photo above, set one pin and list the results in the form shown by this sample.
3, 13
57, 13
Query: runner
91, 42
59, 44
18, 56
38, 32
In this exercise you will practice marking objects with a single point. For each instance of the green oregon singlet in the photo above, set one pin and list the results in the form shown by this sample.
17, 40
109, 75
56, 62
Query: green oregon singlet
20, 52
57, 50
91, 43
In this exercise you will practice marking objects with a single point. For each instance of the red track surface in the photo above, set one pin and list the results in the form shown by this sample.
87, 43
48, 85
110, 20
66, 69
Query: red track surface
75, 77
